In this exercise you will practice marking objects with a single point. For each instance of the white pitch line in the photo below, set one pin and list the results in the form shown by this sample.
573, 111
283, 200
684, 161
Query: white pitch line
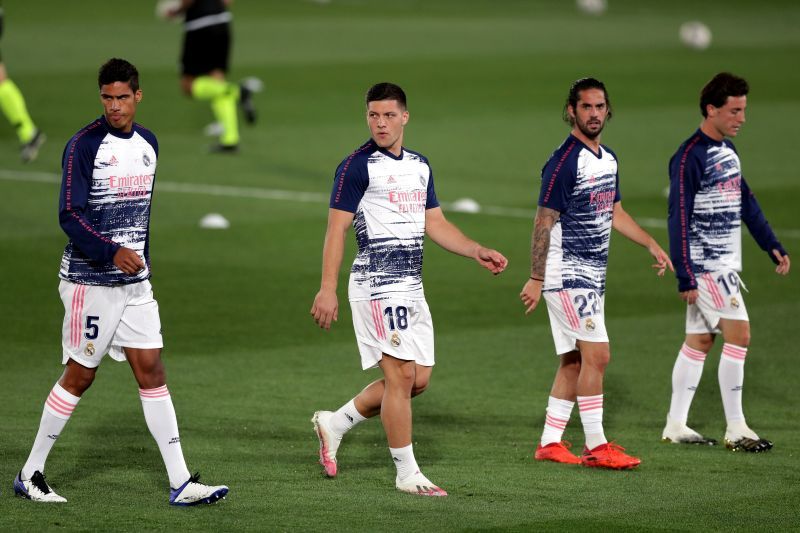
311, 197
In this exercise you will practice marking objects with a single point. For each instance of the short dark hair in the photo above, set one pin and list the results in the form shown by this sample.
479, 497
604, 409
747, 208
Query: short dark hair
116, 69
721, 86
386, 91
574, 93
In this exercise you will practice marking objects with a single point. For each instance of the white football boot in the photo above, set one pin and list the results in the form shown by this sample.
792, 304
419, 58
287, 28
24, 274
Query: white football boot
418, 484
679, 433
328, 442
194, 493
36, 489
739, 437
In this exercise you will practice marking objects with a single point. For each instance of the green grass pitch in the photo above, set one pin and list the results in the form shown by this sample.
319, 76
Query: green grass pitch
246, 365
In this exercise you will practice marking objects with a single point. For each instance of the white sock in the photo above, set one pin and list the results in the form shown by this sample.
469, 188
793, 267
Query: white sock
57, 409
685, 377
731, 380
404, 461
163, 425
345, 418
591, 410
555, 420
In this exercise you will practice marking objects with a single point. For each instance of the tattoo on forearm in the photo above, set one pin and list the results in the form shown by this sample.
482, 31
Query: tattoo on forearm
540, 240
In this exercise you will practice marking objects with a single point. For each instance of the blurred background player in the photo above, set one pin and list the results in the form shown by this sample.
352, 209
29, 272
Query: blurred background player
12, 103
579, 203
109, 171
708, 200
204, 67
386, 192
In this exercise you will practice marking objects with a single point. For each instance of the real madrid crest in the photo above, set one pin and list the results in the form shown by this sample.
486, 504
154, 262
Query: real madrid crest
395, 340
89, 349
734, 302
589, 324
146, 159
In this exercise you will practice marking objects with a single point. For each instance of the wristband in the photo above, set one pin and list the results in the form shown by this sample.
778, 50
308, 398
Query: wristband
537, 279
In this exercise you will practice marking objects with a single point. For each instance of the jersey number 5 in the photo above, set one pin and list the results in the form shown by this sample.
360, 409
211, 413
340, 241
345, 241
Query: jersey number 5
92, 328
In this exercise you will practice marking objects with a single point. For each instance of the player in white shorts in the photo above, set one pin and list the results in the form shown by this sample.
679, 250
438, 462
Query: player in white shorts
386, 193
720, 295
579, 203
100, 320
708, 201
402, 329
109, 169
570, 321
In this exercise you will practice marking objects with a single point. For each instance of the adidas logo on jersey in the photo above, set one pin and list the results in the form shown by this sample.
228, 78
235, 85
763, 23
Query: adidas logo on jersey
392, 180
113, 161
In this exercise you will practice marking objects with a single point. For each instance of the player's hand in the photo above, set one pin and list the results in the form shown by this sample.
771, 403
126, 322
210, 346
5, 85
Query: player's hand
325, 308
531, 294
128, 261
783, 263
662, 259
690, 297
491, 260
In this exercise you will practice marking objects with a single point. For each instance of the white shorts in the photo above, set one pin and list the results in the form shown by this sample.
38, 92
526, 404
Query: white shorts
719, 296
575, 314
396, 327
100, 320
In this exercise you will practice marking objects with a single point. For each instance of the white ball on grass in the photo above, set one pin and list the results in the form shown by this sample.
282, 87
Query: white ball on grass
695, 34
592, 7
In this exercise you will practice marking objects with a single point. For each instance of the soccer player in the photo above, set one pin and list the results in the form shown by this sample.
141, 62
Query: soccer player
386, 192
204, 64
12, 103
109, 170
708, 201
579, 203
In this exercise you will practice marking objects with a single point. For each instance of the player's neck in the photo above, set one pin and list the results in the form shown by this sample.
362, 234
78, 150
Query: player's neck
593, 144
707, 128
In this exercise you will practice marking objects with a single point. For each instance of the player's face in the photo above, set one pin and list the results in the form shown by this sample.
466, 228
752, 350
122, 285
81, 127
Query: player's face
590, 112
386, 119
119, 104
728, 119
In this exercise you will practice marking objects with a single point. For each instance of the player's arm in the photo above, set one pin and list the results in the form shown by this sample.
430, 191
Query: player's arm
326, 305
179, 8
543, 224
685, 172
558, 182
74, 200
448, 236
761, 231
624, 223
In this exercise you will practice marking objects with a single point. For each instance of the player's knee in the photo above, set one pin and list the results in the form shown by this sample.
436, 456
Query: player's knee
150, 373
704, 343
571, 368
186, 87
77, 382
598, 360
742, 338
420, 385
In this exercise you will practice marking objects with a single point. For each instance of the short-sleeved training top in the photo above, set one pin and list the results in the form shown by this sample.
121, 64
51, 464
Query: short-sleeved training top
583, 186
388, 196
